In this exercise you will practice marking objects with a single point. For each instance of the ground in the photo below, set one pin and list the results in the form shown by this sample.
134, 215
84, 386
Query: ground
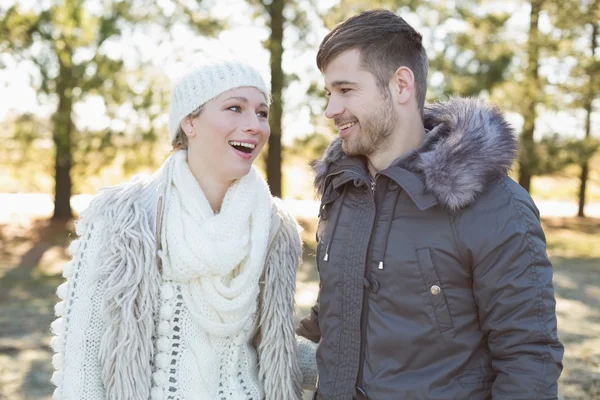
33, 252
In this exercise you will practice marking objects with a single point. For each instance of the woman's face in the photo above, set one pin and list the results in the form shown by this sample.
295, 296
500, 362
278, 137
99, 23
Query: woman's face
229, 133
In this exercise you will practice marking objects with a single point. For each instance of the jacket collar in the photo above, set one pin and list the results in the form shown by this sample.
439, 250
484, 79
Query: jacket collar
412, 185
352, 168
467, 146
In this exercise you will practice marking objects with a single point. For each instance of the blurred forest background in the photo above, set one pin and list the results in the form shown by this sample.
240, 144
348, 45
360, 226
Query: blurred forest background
84, 94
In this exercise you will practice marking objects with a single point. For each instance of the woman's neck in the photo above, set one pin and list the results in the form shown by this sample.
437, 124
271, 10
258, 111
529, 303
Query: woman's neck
213, 188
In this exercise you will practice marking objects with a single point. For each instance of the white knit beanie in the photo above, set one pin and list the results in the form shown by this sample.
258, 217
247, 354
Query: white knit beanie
207, 81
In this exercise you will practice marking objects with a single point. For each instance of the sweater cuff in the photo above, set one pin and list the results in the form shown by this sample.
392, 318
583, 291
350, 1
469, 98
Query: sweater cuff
307, 359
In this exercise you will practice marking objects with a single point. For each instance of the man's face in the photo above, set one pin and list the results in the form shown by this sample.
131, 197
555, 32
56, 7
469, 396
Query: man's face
362, 111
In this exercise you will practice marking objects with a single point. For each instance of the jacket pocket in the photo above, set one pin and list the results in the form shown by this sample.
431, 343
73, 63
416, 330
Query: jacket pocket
435, 290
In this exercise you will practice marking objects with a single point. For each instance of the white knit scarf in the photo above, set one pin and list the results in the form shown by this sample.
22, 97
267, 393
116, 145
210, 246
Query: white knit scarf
217, 258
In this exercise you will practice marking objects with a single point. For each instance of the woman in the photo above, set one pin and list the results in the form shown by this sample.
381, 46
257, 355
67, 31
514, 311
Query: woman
182, 284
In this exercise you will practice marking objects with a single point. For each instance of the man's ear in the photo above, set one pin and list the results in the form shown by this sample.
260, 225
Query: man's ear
403, 85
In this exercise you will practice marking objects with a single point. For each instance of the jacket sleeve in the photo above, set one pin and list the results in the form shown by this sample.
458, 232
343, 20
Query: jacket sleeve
79, 326
309, 326
512, 286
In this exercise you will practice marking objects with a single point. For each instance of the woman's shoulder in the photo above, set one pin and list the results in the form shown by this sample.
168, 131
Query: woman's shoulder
284, 217
141, 192
285, 229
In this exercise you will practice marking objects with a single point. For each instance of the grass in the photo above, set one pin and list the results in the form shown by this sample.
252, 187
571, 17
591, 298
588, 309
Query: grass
564, 188
33, 252
573, 238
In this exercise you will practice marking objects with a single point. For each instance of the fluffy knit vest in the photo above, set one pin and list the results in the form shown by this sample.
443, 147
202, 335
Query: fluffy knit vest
126, 219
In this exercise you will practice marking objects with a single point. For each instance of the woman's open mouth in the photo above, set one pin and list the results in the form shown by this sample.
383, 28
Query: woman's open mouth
243, 147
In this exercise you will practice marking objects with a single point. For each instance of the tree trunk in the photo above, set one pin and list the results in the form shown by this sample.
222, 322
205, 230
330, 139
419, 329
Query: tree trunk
274, 157
582, 189
588, 117
527, 155
63, 128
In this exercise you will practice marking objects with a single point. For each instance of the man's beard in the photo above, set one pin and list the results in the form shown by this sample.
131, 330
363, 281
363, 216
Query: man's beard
375, 131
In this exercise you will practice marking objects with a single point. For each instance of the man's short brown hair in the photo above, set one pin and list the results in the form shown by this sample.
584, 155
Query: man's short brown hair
386, 42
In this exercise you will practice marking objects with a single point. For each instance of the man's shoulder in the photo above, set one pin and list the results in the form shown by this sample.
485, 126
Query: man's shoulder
503, 197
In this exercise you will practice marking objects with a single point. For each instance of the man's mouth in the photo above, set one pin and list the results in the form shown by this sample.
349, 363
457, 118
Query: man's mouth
347, 125
243, 147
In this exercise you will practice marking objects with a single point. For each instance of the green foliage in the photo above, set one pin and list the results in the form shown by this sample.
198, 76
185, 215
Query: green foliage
474, 59
583, 151
552, 155
347, 8
556, 152
309, 147
72, 47
25, 153
469, 51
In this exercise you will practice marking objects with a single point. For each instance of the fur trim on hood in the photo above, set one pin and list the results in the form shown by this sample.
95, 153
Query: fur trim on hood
468, 144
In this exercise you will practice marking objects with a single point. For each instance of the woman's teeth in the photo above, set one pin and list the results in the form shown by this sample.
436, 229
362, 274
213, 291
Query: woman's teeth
241, 146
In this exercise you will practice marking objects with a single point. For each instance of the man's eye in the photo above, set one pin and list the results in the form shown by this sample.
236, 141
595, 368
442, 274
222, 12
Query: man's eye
263, 114
345, 90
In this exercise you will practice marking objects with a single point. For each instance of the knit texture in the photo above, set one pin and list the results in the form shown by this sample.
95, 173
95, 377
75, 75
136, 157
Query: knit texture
216, 261
207, 81
277, 322
146, 332
217, 258
307, 362
78, 314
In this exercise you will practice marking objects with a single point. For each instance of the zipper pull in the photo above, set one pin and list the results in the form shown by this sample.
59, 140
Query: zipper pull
380, 265
326, 258
373, 182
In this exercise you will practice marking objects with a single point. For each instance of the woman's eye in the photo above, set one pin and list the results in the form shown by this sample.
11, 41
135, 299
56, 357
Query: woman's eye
235, 108
263, 114
345, 90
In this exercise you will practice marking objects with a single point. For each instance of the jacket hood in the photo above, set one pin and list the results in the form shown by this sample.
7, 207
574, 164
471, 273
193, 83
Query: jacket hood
468, 144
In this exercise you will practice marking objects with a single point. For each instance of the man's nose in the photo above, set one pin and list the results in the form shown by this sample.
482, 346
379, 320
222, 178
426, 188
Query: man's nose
333, 108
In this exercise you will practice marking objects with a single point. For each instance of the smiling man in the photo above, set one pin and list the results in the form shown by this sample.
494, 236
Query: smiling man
434, 278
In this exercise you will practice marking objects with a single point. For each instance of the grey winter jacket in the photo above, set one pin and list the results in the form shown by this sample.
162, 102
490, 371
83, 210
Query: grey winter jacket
435, 282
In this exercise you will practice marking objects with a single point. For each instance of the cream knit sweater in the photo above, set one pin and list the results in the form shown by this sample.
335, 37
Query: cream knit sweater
124, 332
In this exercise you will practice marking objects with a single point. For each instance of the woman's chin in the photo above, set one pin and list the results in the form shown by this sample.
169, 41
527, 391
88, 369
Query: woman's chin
238, 172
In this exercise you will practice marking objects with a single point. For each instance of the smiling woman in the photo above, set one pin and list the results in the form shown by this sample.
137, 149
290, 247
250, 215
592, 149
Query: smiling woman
182, 284
225, 137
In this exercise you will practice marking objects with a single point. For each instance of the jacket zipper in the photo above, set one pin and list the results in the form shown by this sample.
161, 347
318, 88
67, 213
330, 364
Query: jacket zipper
334, 173
365, 302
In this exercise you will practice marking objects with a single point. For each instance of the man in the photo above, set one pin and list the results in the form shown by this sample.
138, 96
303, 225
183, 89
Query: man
434, 278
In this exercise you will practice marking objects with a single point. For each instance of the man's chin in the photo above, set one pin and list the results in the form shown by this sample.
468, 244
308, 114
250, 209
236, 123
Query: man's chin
349, 149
